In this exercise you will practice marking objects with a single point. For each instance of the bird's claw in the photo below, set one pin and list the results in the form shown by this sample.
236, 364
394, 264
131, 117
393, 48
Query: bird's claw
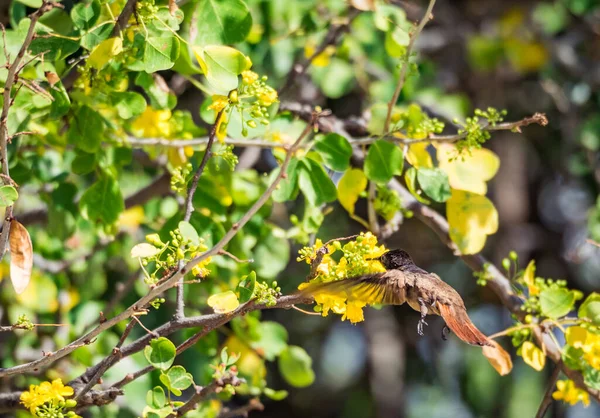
445, 332
420, 327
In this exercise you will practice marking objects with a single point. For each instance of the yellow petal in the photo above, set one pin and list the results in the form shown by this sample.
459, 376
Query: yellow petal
529, 278
576, 336
418, 156
533, 356
351, 185
224, 302
471, 218
498, 358
468, 172
132, 217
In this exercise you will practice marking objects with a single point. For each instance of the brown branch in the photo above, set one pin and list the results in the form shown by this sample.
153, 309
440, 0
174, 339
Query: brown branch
11, 79
253, 405
404, 70
332, 37
203, 392
547, 400
123, 18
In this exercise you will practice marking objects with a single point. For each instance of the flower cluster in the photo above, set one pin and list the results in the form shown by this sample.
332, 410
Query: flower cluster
167, 255
586, 343
267, 294
475, 134
569, 393
357, 259
47, 400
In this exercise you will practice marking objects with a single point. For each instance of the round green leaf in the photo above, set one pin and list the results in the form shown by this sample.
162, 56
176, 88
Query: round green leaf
434, 182
160, 353
103, 201
295, 365
144, 250
189, 232
84, 15
246, 287
223, 21
335, 150
315, 183
288, 187
128, 103
384, 160
590, 308
556, 303
156, 397
176, 379
8, 195
273, 340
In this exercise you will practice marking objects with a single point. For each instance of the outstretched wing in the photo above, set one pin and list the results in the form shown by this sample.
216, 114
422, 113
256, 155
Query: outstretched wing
380, 288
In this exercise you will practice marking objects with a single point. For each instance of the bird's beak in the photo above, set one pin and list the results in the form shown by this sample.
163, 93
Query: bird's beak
375, 258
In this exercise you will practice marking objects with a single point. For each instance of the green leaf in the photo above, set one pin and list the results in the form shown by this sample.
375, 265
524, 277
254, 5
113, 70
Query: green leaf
160, 98
160, 53
273, 340
288, 187
221, 66
128, 103
160, 353
556, 303
315, 183
295, 365
246, 287
224, 22
189, 232
8, 196
83, 163
336, 79
591, 377
590, 308
434, 182
62, 102
384, 160
272, 253
276, 395
53, 47
86, 130
103, 201
156, 397
92, 39
411, 183
177, 379
335, 150
84, 15
573, 357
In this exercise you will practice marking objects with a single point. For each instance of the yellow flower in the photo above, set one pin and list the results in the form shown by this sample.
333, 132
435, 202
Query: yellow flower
569, 393
592, 356
354, 312
267, 97
219, 102
152, 124
45, 392
200, 269
249, 77
179, 156
335, 303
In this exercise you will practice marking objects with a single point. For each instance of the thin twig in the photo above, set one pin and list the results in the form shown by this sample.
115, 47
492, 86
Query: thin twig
304, 311
404, 70
373, 224
253, 405
11, 79
332, 37
228, 254
547, 400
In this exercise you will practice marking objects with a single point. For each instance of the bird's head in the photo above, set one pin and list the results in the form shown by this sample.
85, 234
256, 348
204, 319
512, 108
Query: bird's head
395, 259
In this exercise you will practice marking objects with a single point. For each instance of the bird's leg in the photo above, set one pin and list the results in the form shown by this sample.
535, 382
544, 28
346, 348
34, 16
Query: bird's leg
423, 314
445, 332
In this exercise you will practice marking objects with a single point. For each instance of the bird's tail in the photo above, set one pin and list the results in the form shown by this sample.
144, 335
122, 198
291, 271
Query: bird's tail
458, 321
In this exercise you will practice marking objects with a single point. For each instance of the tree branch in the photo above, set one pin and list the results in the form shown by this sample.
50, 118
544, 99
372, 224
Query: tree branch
123, 18
204, 392
11, 78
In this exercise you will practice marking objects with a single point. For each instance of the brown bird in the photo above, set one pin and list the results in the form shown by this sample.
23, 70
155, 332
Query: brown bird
405, 282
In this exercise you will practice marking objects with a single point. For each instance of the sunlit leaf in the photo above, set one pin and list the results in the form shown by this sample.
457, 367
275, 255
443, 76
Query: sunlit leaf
21, 256
384, 160
104, 52
533, 356
556, 303
335, 150
471, 218
8, 195
410, 177
418, 156
160, 353
224, 302
246, 287
188, 232
295, 366
144, 250
434, 183
349, 188
177, 379
469, 172
590, 308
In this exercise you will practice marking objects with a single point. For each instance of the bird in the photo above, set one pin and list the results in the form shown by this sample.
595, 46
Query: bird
403, 281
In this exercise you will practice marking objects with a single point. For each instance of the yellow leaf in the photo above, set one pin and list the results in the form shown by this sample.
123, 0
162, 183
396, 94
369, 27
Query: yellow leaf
41, 295
526, 56
250, 363
132, 217
418, 156
498, 358
104, 52
529, 278
471, 172
471, 218
349, 188
21, 256
224, 302
533, 356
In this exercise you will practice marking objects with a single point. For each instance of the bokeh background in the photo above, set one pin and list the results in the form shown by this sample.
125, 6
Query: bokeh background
522, 56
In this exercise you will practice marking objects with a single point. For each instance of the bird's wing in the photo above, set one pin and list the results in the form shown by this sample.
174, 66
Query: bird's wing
379, 288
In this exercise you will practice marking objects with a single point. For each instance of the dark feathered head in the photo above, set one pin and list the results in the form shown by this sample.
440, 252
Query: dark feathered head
396, 259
